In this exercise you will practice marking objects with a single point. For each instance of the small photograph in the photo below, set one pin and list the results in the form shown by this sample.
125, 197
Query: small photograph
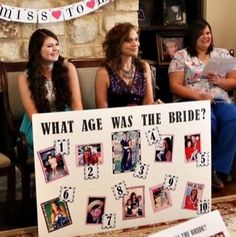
160, 197
164, 149
220, 234
192, 196
125, 151
174, 12
134, 203
167, 46
56, 214
95, 210
89, 154
53, 165
141, 12
144, 16
192, 147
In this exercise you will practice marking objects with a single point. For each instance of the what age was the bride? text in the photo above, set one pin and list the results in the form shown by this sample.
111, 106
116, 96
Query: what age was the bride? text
120, 122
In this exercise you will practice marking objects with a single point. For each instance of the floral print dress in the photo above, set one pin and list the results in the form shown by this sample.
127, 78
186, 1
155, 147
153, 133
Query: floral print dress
193, 76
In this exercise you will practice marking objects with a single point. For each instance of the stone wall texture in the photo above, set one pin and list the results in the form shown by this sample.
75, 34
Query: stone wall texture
80, 37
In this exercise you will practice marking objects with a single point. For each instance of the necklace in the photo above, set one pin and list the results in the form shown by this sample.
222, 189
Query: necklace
128, 74
50, 92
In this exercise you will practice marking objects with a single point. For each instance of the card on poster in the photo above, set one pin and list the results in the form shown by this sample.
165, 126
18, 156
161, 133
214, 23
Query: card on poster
103, 172
210, 224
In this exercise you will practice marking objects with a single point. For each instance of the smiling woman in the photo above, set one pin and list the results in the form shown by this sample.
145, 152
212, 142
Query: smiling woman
188, 82
124, 79
49, 84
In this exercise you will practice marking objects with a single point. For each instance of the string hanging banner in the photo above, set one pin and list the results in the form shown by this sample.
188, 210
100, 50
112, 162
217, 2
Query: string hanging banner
28, 15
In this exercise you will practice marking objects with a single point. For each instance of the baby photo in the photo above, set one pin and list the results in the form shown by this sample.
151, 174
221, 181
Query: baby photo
53, 165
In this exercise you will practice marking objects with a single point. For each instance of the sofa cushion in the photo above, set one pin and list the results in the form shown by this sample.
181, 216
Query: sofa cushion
87, 86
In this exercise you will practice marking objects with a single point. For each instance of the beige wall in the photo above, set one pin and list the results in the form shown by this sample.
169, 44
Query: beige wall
221, 14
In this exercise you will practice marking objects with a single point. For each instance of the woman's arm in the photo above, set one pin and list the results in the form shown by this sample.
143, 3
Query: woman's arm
52, 218
176, 82
101, 86
228, 83
168, 156
148, 98
76, 101
25, 95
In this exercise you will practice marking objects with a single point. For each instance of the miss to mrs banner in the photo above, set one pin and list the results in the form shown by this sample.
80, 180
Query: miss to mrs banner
69, 12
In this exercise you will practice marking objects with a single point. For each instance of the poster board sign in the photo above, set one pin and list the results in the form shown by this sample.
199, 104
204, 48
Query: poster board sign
107, 169
211, 225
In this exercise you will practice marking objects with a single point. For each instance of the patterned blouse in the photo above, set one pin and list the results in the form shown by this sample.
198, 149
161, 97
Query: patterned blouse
193, 78
120, 94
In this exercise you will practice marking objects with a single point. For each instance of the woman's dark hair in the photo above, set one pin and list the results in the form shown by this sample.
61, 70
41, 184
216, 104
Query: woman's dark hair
195, 197
169, 143
195, 29
37, 79
113, 42
187, 141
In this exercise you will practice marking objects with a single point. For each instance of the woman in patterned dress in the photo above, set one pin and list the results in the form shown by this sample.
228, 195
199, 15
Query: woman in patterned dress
188, 83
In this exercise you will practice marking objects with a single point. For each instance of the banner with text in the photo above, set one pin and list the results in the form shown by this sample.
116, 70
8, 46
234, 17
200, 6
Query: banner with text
33, 15
107, 169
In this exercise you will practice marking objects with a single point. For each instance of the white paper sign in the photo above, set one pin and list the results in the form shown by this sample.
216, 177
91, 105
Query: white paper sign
107, 169
211, 225
220, 65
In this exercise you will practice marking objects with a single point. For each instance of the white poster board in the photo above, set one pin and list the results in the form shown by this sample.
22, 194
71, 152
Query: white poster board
107, 169
211, 225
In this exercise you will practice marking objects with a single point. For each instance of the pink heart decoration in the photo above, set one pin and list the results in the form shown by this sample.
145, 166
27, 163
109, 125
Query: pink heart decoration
56, 14
90, 3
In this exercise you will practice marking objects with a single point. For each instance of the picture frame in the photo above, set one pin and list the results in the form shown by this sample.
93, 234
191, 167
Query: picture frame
174, 12
167, 45
144, 18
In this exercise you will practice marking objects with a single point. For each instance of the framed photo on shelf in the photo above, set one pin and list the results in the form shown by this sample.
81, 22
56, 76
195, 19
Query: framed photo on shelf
174, 12
141, 12
144, 16
167, 45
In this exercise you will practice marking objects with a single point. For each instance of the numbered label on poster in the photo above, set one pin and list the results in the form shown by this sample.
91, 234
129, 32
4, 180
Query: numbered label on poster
108, 221
141, 170
153, 136
91, 172
203, 206
62, 146
171, 182
203, 159
120, 190
67, 194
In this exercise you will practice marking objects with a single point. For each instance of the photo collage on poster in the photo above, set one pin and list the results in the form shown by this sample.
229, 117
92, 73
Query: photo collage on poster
126, 158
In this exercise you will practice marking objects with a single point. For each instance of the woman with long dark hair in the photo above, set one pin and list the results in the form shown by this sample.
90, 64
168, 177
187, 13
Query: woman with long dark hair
49, 84
167, 145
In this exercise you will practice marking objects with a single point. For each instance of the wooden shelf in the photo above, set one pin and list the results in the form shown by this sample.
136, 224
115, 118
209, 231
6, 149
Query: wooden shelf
153, 24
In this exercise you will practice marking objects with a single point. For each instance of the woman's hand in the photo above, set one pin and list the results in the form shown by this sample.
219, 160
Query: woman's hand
215, 79
158, 101
204, 96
